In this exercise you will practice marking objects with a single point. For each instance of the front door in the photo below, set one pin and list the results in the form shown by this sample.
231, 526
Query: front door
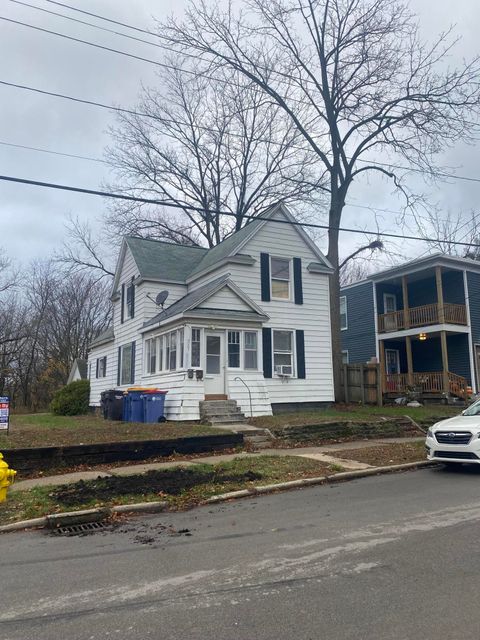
214, 362
390, 306
392, 361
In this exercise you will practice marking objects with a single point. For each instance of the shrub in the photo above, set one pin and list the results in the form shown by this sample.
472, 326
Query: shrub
72, 400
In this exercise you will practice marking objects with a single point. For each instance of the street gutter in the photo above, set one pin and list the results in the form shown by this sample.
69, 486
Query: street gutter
56, 520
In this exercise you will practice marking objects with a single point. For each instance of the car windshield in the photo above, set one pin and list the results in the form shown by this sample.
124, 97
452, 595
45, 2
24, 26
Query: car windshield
473, 410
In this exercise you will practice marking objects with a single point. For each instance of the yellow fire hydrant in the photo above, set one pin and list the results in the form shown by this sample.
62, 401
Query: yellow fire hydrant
7, 477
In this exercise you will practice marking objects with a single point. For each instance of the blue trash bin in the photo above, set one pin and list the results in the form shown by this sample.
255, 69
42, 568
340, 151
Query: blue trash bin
133, 405
154, 406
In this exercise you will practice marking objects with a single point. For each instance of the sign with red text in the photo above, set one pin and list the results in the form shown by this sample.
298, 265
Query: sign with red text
4, 413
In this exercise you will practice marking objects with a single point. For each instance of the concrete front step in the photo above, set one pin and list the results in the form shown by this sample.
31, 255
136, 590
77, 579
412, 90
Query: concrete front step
213, 413
228, 419
217, 403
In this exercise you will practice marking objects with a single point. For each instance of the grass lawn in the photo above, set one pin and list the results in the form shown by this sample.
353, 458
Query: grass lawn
386, 454
181, 487
45, 429
356, 412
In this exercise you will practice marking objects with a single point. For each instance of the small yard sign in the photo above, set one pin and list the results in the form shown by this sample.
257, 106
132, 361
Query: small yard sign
4, 413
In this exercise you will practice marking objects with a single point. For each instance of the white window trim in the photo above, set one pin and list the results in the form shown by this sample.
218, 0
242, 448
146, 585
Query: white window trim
240, 349
346, 313
397, 351
345, 351
293, 352
243, 350
289, 260
385, 298
122, 348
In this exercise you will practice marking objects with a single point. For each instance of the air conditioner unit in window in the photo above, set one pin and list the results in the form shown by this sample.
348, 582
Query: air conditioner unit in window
283, 370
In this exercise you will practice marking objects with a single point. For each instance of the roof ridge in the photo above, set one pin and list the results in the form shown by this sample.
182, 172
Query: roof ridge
170, 244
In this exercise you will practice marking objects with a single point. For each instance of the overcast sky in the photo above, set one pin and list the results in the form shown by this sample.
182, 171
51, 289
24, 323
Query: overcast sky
33, 219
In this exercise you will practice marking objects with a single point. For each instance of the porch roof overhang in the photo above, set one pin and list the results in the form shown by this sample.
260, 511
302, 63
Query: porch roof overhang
434, 328
226, 315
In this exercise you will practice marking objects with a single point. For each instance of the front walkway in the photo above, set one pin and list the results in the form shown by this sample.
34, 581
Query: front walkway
320, 453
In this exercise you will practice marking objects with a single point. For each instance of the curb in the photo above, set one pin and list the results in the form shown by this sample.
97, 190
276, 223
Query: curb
96, 515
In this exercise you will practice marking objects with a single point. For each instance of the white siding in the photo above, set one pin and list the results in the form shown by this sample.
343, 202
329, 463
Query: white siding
313, 316
225, 299
97, 385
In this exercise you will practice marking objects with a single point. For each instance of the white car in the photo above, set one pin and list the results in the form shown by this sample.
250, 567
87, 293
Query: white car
456, 439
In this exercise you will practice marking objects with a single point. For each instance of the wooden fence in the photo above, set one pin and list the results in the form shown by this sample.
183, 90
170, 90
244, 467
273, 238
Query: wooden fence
362, 383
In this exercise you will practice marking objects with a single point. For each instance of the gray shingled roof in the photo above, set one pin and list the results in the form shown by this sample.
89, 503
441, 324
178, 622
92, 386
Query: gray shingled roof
189, 301
225, 248
162, 260
105, 336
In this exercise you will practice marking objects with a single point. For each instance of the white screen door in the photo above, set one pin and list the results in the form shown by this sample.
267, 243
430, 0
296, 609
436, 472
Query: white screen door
214, 362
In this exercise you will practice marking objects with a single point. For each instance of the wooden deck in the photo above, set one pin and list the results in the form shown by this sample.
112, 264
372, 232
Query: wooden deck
431, 382
427, 314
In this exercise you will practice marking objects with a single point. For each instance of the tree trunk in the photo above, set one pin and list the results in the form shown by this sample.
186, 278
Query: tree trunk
332, 255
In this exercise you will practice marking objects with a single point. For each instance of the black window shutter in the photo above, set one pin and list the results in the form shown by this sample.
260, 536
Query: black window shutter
267, 352
98, 362
265, 276
297, 281
132, 313
300, 343
132, 371
122, 303
119, 364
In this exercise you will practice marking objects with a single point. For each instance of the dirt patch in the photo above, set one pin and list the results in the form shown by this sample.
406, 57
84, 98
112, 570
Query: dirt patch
384, 455
169, 482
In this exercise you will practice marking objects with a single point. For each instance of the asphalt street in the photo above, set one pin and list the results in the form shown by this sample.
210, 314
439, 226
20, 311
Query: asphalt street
388, 557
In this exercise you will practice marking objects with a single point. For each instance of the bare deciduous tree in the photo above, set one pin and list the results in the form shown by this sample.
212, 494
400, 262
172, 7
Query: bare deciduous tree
356, 81
442, 231
209, 146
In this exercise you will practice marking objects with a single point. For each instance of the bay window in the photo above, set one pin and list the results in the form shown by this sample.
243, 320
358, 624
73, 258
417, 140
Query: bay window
196, 337
151, 355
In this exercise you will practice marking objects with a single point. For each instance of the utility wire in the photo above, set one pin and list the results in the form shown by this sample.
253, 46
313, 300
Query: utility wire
121, 196
109, 107
52, 151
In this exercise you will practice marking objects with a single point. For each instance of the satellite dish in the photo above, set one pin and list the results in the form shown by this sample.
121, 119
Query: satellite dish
161, 297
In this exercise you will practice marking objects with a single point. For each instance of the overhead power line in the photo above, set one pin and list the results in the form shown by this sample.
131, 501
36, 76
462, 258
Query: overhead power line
109, 107
52, 151
121, 196
97, 26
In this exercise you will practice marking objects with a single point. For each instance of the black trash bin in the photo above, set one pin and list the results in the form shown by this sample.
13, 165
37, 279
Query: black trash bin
112, 404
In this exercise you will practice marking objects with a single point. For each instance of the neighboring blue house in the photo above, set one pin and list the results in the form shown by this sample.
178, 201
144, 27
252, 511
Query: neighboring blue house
421, 322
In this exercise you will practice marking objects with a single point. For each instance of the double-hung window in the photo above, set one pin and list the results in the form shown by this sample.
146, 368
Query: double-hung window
151, 355
130, 301
196, 351
343, 313
181, 344
283, 352
250, 350
280, 278
234, 349
126, 365
171, 351
101, 367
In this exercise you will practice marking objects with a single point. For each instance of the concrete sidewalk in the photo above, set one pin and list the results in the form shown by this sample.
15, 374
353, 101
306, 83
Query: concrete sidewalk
320, 453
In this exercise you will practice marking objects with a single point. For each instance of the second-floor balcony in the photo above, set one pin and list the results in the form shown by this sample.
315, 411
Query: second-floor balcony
425, 315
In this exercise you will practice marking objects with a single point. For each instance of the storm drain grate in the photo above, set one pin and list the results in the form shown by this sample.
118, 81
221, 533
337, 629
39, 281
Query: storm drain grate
79, 529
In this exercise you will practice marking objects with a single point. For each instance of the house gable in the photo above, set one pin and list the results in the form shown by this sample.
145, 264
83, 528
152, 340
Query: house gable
226, 298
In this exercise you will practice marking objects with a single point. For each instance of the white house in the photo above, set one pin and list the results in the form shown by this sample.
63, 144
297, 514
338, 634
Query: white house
247, 320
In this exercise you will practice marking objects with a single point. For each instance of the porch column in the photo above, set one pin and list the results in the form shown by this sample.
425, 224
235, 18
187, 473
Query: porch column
408, 345
443, 340
382, 365
438, 279
406, 310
